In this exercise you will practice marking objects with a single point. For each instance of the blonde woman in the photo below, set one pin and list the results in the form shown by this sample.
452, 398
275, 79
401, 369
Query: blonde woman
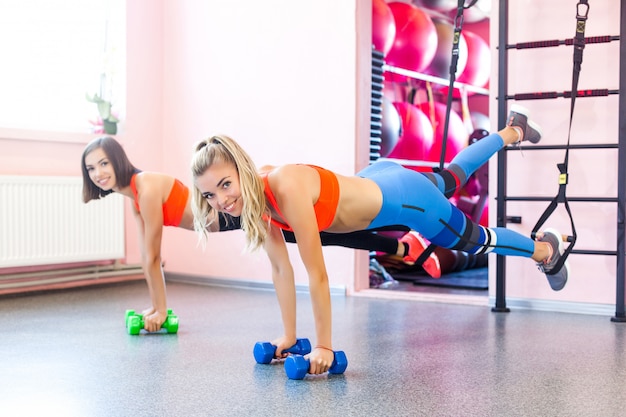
161, 200
308, 199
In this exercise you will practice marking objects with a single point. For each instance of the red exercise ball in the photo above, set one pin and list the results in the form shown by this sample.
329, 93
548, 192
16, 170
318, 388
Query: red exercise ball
457, 133
480, 121
473, 186
484, 218
383, 26
440, 65
391, 90
415, 43
437, 5
417, 133
478, 67
391, 128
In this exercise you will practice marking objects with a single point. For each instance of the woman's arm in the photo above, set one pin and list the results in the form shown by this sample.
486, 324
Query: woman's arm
284, 284
294, 188
151, 231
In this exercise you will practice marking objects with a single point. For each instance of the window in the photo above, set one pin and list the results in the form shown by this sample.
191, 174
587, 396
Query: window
55, 52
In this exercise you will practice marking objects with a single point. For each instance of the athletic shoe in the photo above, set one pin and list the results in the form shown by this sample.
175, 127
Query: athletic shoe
557, 281
417, 246
518, 117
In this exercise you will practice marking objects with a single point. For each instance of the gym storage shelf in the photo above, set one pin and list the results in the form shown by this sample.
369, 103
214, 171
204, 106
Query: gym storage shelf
435, 80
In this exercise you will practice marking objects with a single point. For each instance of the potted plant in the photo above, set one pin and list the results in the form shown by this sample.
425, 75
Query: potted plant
109, 121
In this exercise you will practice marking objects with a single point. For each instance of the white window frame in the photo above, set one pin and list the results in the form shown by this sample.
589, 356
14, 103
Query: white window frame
54, 53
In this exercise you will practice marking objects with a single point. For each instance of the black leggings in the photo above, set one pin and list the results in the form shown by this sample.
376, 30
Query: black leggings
363, 239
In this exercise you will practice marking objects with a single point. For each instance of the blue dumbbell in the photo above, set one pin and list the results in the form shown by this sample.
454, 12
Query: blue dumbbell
264, 351
297, 366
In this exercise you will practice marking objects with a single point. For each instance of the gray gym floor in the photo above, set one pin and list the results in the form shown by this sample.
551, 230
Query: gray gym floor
67, 353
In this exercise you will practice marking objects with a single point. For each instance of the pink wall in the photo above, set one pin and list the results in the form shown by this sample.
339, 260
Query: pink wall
592, 173
143, 131
283, 81
279, 79
53, 153
283, 85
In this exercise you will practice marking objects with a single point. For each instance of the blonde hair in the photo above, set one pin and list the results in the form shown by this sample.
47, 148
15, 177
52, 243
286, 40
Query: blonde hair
221, 148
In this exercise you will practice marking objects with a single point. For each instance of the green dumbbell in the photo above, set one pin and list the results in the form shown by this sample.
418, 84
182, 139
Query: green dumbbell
134, 322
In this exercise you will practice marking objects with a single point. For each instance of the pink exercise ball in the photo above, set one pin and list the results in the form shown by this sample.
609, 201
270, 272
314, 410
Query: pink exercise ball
383, 26
473, 206
478, 67
437, 5
457, 133
480, 121
417, 133
391, 90
391, 127
484, 218
415, 43
473, 186
440, 64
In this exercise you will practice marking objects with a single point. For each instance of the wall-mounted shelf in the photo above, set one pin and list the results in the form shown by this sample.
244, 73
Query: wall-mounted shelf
436, 80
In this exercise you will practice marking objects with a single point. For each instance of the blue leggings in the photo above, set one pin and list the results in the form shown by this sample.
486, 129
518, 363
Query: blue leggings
420, 201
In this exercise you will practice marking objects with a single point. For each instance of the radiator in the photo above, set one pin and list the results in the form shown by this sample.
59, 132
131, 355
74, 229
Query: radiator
43, 221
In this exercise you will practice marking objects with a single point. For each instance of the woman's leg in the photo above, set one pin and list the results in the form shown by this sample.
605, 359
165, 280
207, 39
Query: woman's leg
427, 211
365, 240
409, 247
465, 163
414, 200
455, 175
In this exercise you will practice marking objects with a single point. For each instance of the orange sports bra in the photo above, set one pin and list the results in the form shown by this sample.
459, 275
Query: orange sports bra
325, 207
174, 206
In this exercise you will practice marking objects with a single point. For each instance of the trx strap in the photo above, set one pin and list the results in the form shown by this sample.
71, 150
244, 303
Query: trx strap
582, 9
458, 26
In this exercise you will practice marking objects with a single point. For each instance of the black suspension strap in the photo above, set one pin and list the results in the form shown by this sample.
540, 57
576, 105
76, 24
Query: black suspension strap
458, 27
582, 10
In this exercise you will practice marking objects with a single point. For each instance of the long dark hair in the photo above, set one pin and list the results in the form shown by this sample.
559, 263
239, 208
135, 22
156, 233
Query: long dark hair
123, 168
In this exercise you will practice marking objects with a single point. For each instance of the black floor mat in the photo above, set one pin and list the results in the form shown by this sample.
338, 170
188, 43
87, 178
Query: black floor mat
475, 279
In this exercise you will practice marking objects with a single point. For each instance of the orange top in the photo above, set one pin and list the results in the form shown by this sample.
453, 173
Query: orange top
174, 206
325, 207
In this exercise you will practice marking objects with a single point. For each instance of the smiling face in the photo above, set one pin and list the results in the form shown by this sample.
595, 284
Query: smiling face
219, 185
100, 169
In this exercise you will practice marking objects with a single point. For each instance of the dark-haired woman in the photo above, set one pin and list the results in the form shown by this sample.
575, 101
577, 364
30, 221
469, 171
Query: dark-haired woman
162, 200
